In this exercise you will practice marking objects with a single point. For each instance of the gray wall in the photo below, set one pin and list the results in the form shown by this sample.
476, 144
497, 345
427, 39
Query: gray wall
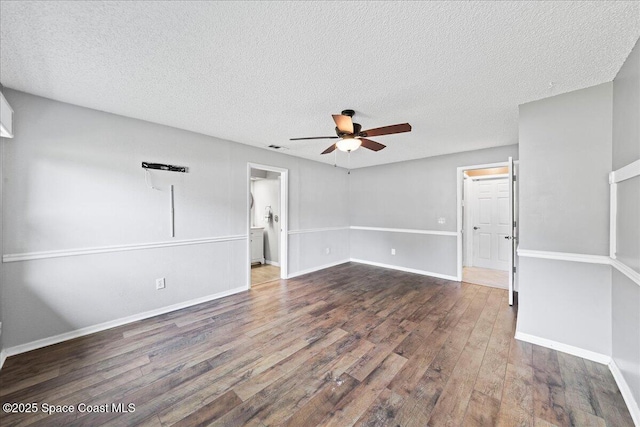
565, 152
625, 303
627, 241
568, 144
412, 195
566, 302
565, 158
626, 105
626, 293
72, 180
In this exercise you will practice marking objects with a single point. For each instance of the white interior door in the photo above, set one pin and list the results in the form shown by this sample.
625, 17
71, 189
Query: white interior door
491, 224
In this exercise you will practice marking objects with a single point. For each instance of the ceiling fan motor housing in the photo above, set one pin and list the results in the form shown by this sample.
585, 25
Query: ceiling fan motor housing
356, 131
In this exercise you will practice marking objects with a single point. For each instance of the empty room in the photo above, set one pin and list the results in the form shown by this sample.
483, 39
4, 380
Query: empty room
320, 213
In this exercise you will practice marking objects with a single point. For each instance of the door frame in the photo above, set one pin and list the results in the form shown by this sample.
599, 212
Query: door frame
459, 194
284, 218
460, 224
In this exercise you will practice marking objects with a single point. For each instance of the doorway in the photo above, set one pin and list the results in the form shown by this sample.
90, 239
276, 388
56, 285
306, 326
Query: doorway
487, 218
267, 223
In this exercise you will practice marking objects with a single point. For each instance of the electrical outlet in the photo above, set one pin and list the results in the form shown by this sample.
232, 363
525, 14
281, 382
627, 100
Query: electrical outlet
160, 284
442, 220
393, 251
327, 251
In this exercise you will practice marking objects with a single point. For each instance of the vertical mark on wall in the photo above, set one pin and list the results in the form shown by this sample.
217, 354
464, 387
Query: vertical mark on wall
172, 225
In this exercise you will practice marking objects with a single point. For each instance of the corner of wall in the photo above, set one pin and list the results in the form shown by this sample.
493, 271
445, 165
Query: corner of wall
625, 233
625, 390
2, 352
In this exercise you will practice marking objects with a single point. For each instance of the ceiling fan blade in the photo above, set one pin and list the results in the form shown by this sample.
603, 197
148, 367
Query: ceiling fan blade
344, 123
329, 150
314, 137
371, 145
387, 130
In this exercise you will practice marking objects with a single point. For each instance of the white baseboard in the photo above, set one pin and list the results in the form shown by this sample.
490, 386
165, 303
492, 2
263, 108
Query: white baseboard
565, 348
275, 264
408, 270
3, 357
318, 268
23, 348
625, 390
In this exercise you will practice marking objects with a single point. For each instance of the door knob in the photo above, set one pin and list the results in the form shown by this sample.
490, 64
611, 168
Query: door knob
476, 228
507, 237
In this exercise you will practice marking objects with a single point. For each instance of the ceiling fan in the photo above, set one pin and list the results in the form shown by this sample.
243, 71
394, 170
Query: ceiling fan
351, 137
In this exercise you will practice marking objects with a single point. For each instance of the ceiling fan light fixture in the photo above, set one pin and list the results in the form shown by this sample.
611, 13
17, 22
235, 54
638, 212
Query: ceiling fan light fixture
348, 144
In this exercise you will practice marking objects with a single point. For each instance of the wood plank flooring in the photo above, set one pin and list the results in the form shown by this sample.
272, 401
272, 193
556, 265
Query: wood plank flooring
486, 276
351, 345
261, 273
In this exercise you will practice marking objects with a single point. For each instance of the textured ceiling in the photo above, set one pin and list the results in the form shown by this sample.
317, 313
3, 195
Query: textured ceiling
261, 72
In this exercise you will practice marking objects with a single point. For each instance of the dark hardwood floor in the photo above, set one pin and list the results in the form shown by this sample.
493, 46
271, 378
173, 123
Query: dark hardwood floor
350, 345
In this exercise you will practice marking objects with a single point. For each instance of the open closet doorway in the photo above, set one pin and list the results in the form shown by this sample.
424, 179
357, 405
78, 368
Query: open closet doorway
267, 223
487, 220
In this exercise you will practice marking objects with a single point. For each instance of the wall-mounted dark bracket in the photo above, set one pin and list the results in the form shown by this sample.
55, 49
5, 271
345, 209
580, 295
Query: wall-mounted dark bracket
160, 166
